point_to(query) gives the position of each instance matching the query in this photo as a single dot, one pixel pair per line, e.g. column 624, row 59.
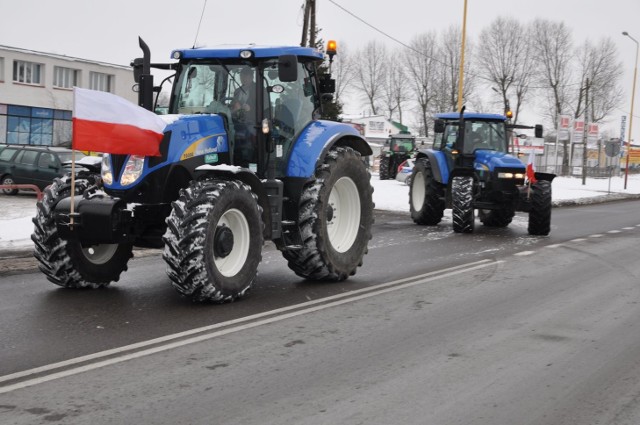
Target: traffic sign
column 612, row 148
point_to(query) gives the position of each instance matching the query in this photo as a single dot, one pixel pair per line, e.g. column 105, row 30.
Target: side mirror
column 136, row 64
column 438, row 126
column 288, row 68
column 327, row 84
column 538, row 131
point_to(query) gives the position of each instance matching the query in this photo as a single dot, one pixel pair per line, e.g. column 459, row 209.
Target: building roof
column 61, row 57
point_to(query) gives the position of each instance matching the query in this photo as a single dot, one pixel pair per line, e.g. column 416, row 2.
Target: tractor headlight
column 505, row 175
column 519, row 175
column 105, row 169
column 132, row 170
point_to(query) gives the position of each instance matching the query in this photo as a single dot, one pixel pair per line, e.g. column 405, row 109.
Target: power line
column 422, row 53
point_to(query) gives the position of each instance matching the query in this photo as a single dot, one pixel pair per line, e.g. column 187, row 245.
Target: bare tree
column 449, row 67
column 504, row 60
column 370, row 72
column 395, row 87
column 598, row 64
column 552, row 49
column 343, row 71
column 422, row 69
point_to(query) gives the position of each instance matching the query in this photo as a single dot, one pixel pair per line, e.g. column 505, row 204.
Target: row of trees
column 535, row 66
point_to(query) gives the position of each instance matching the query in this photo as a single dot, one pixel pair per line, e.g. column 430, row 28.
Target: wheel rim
column 233, row 262
column 100, row 254
column 7, row 181
column 343, row 219
column 418, row 191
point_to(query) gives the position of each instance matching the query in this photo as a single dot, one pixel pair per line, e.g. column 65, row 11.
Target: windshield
column 207, row 87
column 402, row 145
column 484, row 135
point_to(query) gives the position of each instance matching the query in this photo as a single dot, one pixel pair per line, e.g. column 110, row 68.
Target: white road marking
column 628, row 228
column 596, row 236
column 578, row 240
column 278, row 315
column 614, row 231
column 557, row 245
column 524, row 253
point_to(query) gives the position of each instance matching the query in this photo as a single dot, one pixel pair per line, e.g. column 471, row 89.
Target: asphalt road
column 494, row 328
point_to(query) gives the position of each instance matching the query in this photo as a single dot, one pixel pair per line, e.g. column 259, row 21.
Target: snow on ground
column 16, row 226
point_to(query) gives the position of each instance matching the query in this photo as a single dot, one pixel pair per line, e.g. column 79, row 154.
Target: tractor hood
column 195, row 135
column 490, row 160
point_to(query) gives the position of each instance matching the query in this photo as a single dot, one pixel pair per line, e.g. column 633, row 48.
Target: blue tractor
column 470, row 168
column 244, row 158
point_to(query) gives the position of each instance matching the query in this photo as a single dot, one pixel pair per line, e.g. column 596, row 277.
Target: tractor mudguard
column 316, row 140
column 438, row 162
column 544, row 176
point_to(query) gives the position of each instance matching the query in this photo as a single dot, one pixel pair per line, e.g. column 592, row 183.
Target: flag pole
column 73, row 172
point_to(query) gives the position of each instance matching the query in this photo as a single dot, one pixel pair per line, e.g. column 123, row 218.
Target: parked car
column 404, row 171
column 33, row 165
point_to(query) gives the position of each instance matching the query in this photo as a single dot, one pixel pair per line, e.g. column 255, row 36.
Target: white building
column 36, row 96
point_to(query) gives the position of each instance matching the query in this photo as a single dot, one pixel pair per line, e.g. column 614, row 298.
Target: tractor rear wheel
column 426, row 195
column 213, row 242
column 335, row 218
column 462, row 212
column 384, row 168
column 66, row 262
column 540, row 212
column 497, row 218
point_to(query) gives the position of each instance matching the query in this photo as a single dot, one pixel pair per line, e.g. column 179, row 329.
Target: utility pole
column 584, row 134
column 309, row 24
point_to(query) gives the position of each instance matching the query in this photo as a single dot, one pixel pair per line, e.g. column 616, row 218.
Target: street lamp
column 633, row 95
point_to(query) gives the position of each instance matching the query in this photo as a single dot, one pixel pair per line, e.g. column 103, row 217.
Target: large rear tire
column 384, row 168
column 335, row 219
column 213, row 242
column 540, row 212
column 426, row 195
column 66, row 262
column 462, row 211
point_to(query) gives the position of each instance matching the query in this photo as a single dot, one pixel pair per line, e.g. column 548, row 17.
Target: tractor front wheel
column 540, row 212
column 213, row 243
column 66, row 262
column 462, row 211
column 335, row 218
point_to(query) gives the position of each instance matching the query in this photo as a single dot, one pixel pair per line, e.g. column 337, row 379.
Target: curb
column 145, row 252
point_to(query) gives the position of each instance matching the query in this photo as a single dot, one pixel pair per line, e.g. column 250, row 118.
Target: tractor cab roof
column 471, row 116
column 247, row 51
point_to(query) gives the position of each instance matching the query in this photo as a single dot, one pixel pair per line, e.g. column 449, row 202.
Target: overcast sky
column 107, row 31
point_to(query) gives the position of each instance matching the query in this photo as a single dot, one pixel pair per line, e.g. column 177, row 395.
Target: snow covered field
column 17, row 211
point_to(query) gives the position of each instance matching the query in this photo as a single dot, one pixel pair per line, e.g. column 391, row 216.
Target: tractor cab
column 264, row 97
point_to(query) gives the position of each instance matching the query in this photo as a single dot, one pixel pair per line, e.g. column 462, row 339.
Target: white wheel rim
column 343, row 227
column 236, row 222
column 100, row 254
column 418, row 191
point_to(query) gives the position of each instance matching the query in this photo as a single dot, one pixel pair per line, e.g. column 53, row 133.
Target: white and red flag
column 104, row 122
column 531, row 173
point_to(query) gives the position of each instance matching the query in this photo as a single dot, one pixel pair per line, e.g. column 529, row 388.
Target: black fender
column 433, row 161
column 545, row 176
column 357, row 143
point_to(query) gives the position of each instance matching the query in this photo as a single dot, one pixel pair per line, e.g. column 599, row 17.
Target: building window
column 29, row 126
column 27, row 72
column 101, row 82
column 65, row 78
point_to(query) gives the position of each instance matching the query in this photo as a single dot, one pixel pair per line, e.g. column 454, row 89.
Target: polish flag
column 531, row 174
column 104, row 122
